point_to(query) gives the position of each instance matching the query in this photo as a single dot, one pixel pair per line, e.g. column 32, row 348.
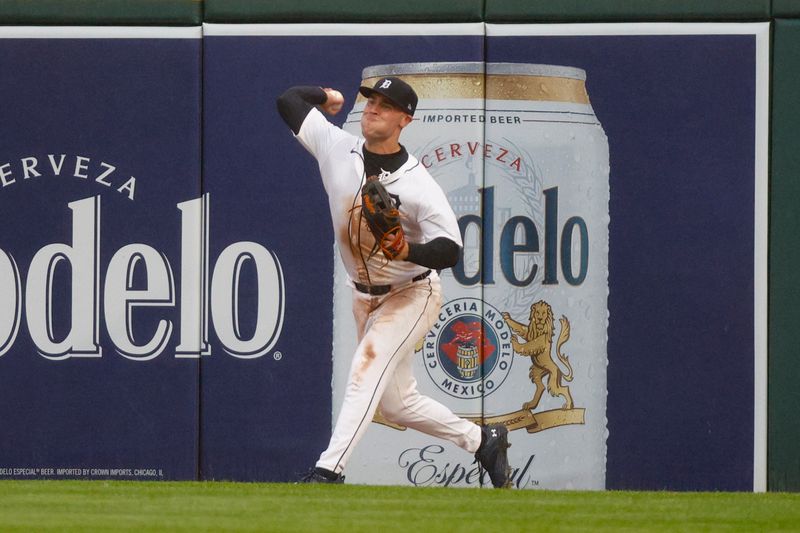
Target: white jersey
column 425, row 213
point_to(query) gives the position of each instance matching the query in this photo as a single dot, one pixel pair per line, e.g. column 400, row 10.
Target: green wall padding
column 253, row 11
column 624, row 10
column 101, row 12
column 783, row 467
column 786, row 8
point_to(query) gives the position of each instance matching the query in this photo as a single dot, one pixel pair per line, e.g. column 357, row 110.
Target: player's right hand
column 334, row 102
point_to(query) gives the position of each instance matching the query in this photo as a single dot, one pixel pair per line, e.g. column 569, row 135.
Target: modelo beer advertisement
column 172, row 315
column 99, row 182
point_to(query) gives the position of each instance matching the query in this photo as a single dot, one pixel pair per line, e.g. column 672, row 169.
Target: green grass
column 216, row 506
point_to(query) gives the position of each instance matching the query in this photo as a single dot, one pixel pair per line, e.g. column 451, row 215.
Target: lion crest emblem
column 536, row 341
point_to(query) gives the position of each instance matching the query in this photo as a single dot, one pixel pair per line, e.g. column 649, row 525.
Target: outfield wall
column 183, row 327
column 784, row 369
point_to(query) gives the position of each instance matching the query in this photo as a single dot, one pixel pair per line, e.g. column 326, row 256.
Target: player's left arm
column 438, row 254
column 439, row 224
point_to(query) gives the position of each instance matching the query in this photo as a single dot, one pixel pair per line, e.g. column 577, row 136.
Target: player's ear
column 406, row 120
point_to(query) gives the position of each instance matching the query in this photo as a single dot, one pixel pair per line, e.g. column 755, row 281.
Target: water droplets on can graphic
column 524, row 162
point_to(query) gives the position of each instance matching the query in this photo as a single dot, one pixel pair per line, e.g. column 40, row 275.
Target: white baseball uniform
column 389, row 325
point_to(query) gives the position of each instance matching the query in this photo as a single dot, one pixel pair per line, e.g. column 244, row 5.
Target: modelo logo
column 468, row 352
column 555, row 247
column 121, row 300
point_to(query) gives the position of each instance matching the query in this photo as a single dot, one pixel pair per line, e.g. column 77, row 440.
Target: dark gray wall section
column 786, row 8
column 784, row 256
column 238, row 11
column 102, row 12
column 519, row 11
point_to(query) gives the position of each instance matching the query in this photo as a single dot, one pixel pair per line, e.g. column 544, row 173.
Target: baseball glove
column 383, row 219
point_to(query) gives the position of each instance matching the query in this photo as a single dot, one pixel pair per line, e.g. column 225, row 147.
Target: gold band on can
column 501, row 81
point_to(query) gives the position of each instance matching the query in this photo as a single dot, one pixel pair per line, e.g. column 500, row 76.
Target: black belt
column 377, row 290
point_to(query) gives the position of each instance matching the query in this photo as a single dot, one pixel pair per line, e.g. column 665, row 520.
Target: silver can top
column 400, row 69
column 532, row 69
column 474, row 67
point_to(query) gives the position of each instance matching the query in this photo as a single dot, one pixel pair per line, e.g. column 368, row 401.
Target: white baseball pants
column 389, row 326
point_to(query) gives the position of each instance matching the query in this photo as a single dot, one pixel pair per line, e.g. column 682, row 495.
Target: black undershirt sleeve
column 295, row 104
column 437, row 254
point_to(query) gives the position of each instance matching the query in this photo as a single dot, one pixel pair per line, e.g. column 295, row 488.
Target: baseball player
column 394, row 228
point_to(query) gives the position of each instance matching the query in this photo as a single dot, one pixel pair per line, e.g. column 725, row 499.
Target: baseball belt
column 377, row 290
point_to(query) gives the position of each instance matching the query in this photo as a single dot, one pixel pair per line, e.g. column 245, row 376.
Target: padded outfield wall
column 194, row 388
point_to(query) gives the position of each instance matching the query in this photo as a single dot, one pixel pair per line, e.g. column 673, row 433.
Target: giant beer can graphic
column 521, row 336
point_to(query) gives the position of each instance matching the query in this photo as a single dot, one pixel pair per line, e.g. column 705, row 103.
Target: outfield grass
column 167, row 506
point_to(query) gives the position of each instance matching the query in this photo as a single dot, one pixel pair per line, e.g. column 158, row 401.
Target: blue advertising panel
column 267, row 413
column 684, row 111
column 171, row 315
column 99, row 165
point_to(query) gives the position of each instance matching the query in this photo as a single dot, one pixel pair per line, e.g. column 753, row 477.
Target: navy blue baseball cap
column 395, row 90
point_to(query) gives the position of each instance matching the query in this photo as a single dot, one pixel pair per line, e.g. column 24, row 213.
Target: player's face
column 382, row 120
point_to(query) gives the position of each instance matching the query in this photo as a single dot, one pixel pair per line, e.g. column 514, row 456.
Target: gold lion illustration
column 537, row 344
